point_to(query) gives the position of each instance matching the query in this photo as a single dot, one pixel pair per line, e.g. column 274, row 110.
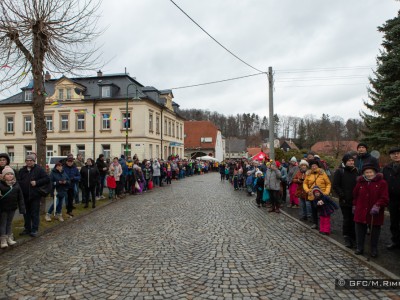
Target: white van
column 51, row 161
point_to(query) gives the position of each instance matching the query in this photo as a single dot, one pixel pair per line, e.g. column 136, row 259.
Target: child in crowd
column 169, row 174
column 259, row 185
column 11, row 198
column 249, row 183
column 111, row 185
column 326, row 208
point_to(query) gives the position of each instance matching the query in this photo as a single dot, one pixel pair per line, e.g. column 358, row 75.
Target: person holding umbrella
column 370, row 197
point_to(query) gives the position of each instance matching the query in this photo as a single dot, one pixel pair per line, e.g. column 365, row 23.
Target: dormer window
column 28, row 96
column 69, row 97
column 106, row 91
column 60, row 94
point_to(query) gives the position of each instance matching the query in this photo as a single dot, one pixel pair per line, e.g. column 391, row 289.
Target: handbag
column 45, row 189
column 265, row 196
column 137, row 186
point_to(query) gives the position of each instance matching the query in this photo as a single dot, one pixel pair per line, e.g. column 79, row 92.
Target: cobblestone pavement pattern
column 197, row 239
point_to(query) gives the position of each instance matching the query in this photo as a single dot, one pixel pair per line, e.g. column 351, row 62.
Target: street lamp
column 126, row 115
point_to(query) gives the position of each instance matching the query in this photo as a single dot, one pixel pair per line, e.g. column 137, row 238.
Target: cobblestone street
column 195, row 239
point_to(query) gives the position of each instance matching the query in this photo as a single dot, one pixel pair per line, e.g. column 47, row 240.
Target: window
column 61, row 94
column 28, row 150
column 158, row 124
column 180, row 133
column 126, row 121
column 105, row 121
column 106, row 151
column 169, row 128
column 28, row 123
column 49, row 150
column 151, row 151
column 106, row 91
column 165, row 127
column 150, row 122
column 81, row 150
column 80, row 122
column 69, row 94
column 10, row 124
column 11, row 153
column 64, row 122
column 126, row 152
column 49, row 123
column 28, row 95
column 157, row 151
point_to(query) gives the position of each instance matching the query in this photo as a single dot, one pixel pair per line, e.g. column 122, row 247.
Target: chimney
column 99, row 73
column 47, row 76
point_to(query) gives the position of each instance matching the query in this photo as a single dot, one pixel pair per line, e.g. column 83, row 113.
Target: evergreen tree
column 382, row 127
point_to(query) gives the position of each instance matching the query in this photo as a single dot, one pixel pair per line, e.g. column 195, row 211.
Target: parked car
column 51, row 161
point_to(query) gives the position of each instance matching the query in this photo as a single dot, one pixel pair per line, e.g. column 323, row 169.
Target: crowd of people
column 75, row 181
column 362, row 187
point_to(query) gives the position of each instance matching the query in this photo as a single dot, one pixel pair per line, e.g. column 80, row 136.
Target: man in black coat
column 364, row 158
column 89, row 177
column 391, row 173
column 102, row 166
column 30, row 178
column 344, row 181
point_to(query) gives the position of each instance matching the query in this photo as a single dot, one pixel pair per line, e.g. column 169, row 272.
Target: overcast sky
column 161, row 47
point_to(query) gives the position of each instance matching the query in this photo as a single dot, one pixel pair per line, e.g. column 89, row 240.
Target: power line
column 333, row 69
column 318, row 85
column 230, row 52
column 320, row 78
column 218, row 81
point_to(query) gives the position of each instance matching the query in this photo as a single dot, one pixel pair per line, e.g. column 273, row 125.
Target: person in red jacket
column 370, row 197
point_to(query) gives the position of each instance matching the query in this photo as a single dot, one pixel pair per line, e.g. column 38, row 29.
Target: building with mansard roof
column 91, row 115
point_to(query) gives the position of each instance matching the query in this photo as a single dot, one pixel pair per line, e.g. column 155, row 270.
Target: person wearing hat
column 316, row 176
column 74, row 177
column 60, row 182
column 364, row 158
column 370, row 197
column 4, row 161
column 30, row 178
column 11, row 198
column 391, row 173
column 102, row 166
column 272, row 183
column 298, row 179
column 293, row 169
column 259, row 186
column 79, row 163
column 344, row 181
column 89, row 177
column 156, row 173
column 325, row 207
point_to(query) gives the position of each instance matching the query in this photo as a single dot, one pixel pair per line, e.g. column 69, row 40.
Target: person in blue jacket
column 74, row 176
column 60, row 182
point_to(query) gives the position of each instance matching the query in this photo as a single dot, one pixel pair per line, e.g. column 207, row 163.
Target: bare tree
column 53, row 35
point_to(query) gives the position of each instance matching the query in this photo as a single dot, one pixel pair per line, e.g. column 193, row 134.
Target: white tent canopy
column 207, row 158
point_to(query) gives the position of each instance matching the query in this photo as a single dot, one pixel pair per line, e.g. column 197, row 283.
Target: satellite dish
column 375, row 153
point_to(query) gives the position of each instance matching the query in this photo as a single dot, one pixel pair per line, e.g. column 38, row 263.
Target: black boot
column 348, row 242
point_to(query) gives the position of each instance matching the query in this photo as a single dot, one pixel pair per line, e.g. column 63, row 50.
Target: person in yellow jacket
column 316, row 176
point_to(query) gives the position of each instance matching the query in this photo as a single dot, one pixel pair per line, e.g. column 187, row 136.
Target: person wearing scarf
column 116, row 171
column 298, row 179
column 344, row 181
column 11, row 198
column 370, row 197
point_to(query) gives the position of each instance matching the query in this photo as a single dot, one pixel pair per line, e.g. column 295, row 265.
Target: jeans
column 76, row 193
column 305, row 208
column 100, row 185
column 156, row 180
column 32, row 215
column 6, row 218
column 60, row 200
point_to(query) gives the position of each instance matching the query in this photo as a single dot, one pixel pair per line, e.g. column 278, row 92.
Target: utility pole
column 271, row 114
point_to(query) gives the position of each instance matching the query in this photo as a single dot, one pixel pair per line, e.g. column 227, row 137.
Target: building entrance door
column 65, row 150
